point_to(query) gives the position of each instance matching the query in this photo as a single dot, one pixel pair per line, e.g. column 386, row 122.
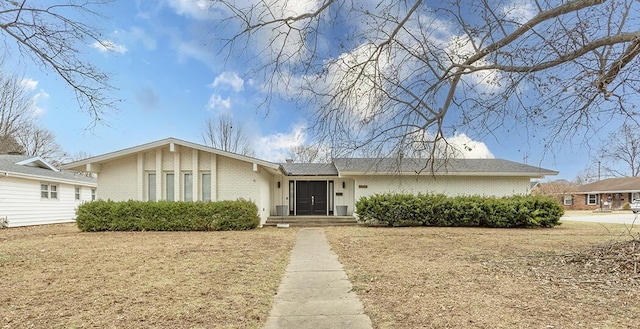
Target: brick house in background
column 561, row 190
column 608, row 194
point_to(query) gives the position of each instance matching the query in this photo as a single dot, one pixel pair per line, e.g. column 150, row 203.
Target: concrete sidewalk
column 315, row 292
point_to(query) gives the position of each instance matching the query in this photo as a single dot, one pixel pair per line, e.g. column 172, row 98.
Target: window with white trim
column 188, row 186
column 93, row 194
column 53, row 193
column 151, row 187
column 76, row 193
column 44, row 191
column 568, row 200
column 592, row 199
column 206, row 186
column 48, row 191
column 170, row 187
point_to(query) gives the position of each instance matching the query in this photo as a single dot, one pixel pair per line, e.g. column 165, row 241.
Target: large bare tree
column 16, row 105
column 38, row 141
column 19, row 128
column 54, row 35
column 225, row 134
column 310, row 154
column 619, row 153
column 402, row 75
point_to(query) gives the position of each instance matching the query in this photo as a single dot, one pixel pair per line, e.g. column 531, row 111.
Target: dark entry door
column 311, row 198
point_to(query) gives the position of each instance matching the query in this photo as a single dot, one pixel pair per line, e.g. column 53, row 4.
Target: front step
column 312, row 221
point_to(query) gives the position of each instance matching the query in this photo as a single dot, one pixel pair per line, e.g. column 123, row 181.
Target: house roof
column 26, row 166
column 81, row 164
column 469, row 167
column 611, row 185
column 309, row 169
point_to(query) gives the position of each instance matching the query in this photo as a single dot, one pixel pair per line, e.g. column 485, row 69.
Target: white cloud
column 198, row 9
column 194, row 50
column 29, row 84
column 276, row 147
column 219, row 104
column 519, row 11
column 468, row 148
column 229, row 78
column 106, row 46
column 136, row 35
column 40, row 96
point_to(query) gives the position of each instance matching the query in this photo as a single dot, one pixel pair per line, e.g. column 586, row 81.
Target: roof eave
column 81, row 164
column 49, row 179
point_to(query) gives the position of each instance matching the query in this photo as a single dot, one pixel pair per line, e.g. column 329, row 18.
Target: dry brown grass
column 57, row 277
column 488, row 278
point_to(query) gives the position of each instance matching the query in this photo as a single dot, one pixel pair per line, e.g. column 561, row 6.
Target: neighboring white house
column 173, row 169
column 33, row 192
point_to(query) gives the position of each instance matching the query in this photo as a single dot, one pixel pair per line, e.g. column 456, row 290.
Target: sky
column 170, row 77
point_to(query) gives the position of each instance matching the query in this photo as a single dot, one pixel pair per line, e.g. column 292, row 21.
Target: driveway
column 622, row 217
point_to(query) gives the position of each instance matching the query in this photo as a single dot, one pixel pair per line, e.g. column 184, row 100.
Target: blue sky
column 170, row 77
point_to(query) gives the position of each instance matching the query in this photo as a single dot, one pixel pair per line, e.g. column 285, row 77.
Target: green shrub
column 626, row 206
column 440, row 210
column 107, row 215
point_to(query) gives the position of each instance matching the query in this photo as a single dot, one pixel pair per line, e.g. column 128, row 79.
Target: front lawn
column 57, row 277
column 493, row 278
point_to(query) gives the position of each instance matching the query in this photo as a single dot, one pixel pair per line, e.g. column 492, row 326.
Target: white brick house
column 173, row 169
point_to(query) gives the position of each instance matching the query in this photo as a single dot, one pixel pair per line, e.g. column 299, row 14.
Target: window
column 151, row 193
column 54, row 191
column 48, row 191
column 44, row 191
column 188, row 187
column 592, row 199
column 568, row 200
column 93, row 194
column 170, row 187
column 76, row 193
column 206, row 187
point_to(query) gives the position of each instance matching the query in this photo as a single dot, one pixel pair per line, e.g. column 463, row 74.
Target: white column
column 159, row 174
column 140, row 177
column 195, row 170
column 214, row 177
column 177, row 196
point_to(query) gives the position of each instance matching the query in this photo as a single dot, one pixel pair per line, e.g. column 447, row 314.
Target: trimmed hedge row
column 440, row 210
column 132, row 215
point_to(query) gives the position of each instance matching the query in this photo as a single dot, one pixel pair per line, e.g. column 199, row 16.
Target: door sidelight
column 313, row 199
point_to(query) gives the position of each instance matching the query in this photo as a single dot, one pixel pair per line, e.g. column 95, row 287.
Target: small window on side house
column 93, row 194
column 53, row 191
column 76, row 193
column 44, row 191
column 568, row 200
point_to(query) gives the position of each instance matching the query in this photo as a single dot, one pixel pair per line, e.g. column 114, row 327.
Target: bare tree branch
column 52, row 36
column 405, row 75
column 226, row 135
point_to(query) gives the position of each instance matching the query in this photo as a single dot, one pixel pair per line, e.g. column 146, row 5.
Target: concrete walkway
column 315, row 292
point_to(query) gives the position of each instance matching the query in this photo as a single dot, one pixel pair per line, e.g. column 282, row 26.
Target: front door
column 311, row 198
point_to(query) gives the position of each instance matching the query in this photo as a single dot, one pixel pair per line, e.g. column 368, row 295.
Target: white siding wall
column 20, row 202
